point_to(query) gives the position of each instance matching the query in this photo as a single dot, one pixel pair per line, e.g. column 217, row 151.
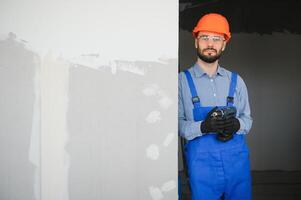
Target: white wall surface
column 89, row 99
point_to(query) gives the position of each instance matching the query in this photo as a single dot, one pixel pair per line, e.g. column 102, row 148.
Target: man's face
column 209, row 46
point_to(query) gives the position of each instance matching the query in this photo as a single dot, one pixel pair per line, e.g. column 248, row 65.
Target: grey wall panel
column 17, row 74
column 127, row 144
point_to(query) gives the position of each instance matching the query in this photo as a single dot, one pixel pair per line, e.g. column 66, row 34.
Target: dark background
column 265, row 51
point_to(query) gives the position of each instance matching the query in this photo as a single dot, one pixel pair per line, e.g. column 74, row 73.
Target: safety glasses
column 213, row 38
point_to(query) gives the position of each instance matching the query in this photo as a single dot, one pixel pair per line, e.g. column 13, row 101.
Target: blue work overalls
column 217, row 168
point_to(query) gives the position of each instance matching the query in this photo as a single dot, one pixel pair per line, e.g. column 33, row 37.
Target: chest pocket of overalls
column 200, row 112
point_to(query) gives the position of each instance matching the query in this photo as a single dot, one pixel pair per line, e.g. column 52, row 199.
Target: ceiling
column 263, row 17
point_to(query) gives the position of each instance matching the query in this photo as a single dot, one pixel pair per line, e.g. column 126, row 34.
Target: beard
column 209, row 58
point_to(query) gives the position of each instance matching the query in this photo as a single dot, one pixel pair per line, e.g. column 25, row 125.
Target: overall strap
column 195, row 98
column 230, row 98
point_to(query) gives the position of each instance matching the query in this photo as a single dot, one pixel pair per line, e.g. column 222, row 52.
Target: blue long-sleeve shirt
column 212, row 91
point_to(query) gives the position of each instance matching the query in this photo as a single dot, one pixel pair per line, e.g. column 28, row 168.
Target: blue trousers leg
column 237, row 175
column 213, row 174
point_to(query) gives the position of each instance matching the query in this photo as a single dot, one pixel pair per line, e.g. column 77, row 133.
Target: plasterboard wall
column 90, row 99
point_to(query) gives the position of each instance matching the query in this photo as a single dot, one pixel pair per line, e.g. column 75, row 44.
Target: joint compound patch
column 155, row 193
column 152, row 152
column 95, row 61
column 153, row 117
column 151, row 90
column 165, row 102
column 168, row 186
column 130, row 67
column 163, row 99
column 169, row 138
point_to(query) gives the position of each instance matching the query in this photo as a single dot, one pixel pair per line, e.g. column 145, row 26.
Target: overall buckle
column 195, row 99
column 230, row 99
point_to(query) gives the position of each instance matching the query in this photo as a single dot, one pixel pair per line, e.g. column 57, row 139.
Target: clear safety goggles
column 213, row 38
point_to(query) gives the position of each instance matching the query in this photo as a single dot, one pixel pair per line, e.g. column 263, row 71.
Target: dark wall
column 265, row 51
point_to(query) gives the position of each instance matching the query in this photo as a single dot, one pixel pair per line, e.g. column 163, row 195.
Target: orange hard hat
column 213, row 22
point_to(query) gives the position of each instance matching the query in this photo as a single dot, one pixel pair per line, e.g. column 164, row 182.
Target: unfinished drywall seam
column 35, row 139
column 96, row 61
column 54, row 105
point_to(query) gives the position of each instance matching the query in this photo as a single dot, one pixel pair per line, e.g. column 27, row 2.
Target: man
column 216, row 154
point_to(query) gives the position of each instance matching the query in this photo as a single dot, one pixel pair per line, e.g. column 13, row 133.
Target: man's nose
column 209, row 43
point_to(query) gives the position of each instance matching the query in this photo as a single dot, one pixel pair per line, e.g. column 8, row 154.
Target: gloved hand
column 212, row 124
column 230, row 127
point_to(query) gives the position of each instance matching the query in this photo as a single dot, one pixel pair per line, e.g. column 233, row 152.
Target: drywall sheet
column 19, row 169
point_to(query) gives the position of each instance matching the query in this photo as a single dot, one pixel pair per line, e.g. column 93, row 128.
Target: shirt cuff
column 195, row 130
column 242, row 129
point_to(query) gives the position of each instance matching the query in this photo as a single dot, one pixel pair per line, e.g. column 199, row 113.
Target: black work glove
column 230, row 127
column 212, row 124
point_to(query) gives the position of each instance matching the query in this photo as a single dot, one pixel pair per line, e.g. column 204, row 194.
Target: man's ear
column 224, row 46
column 195, row 43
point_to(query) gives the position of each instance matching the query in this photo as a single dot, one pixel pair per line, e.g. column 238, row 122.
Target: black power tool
column 224, row 113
